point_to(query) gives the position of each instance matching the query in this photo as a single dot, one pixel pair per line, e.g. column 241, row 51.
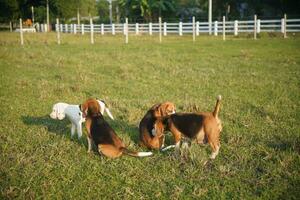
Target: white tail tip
column 109, row 113
column 168, row 147
column 144, row 154
column 219, row 97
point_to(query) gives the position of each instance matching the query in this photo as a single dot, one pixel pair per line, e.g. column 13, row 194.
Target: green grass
column 258, row 80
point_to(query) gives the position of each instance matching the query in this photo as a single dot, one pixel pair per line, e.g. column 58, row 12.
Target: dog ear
column 84, row 109
column 157, row 110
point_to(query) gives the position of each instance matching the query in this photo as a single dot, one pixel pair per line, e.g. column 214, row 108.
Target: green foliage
column 8, row 10
column 260, row 143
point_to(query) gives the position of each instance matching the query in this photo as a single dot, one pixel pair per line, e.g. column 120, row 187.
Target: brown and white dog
column 204, row 127
column 148, row 137
column 100, row 132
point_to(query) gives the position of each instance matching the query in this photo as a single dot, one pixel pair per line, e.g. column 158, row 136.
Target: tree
column 9, row 10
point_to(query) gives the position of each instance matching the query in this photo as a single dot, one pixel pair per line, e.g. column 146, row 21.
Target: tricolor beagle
column 148, row 137
column 104, row 137
column 203, row 127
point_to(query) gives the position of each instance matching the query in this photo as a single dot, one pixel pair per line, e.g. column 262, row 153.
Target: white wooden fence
column 231, row 27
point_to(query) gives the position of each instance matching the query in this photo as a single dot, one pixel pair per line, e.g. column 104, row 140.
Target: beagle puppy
column 204, row 127
column 147, row 134
column 73, row 113
column 104, row 137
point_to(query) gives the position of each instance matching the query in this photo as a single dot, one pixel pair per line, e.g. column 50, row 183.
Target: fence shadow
column 58, row 127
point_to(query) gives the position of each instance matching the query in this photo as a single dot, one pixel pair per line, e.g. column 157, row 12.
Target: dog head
column 58, row 111
column 90, row 108
column 164, row 109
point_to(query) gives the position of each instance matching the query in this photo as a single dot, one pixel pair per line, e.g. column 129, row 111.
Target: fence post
column 255, row 26
column 82, row 29
column 113, row 32
column 57, row 30
column 216, row 28
column 136, row 28
column 102, row 29
column 21, row 32
column 75, row 28
column 159, row 23
column 92, row 31
column 236, row 27
column 282, row 25
column 284, row 30
column 46, row 28
column 38, row 27
column 150, row 28
column 61, row 28
column 180, row 28
column 66, row 28
column 224, row 28
column 194, row 34
column 197, row 28
column 10, row 26
column 258, row 26
column 126, row 32
column 165, row 28
column 124, row 28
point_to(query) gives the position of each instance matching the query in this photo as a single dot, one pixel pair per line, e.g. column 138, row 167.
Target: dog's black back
column 101, row 131
column 147, row 123
column 187, row 123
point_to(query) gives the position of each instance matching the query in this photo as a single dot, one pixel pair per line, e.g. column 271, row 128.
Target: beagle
column 73, row 113
column 147, row 135
column 203, row 127
column 104, row 137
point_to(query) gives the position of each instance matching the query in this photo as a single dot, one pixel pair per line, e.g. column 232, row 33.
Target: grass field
column 258, row 80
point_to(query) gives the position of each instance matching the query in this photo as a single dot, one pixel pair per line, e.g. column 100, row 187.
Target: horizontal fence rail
column 231, row 27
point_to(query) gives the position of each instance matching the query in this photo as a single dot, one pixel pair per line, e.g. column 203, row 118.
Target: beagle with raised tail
column 73, row 113
column 147, row 135
column 104, row 137
column 204, row 127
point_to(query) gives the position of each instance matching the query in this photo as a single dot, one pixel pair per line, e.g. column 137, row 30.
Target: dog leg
column 163, row 142
column 216, row 148
column 73, row 127
column 79, row 130
column 177, row 148
column 90, row 141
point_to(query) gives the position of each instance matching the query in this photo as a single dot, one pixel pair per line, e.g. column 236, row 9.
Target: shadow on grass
column 285, row 144
column 121, row 126
column 58, row 127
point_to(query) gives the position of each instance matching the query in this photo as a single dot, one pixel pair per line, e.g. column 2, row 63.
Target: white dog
column 61, row 110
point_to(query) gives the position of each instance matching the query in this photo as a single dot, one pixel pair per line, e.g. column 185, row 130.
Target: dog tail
column 108, row 112
column 135, row 154
column 217, row 108
column 167, row 147
column 106, row 109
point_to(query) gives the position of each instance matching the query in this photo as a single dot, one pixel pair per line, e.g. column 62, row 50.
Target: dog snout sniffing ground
column 147, row 136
